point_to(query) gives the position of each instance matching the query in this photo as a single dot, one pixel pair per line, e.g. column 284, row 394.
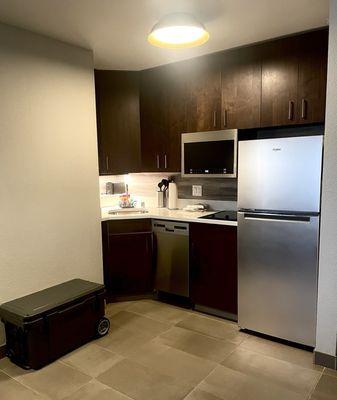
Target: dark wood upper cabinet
column 152, row 120
column 312, row 74
column 241, row 88
column 141, row 115
column 294, row 79
column 204, row 98
column 279, row 82
column 176, row 94
column 163, row 102
column 117, row 102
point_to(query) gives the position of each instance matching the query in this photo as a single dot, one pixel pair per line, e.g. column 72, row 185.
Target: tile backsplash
column 217, row 193
column 224, row 189
column 142, row 187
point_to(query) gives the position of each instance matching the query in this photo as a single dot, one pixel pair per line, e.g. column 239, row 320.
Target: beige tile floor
column 155, row 351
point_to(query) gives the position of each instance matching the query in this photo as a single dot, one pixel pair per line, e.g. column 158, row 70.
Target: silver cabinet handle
column 290, row 110
column 158, row 161
column 165, row 161
column 214, row 119
column 107, row 163
column 304, row 109
column 225, row 118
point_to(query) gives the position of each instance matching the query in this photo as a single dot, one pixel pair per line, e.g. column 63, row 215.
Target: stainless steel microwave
column 209, row 154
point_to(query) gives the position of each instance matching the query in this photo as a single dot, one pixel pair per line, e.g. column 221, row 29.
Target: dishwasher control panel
column 178, row 228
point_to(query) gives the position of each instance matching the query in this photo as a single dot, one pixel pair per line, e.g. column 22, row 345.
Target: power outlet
column 197, row 190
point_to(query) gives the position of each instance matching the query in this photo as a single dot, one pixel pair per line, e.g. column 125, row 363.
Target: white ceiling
column 116, row 30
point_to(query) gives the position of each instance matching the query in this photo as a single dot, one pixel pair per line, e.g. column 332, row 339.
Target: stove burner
column 222, row 215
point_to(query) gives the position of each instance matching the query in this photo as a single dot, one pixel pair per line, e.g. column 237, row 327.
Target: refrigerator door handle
column 277, row 217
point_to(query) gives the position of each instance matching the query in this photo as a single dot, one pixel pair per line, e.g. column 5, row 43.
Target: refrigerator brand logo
column 277, row 149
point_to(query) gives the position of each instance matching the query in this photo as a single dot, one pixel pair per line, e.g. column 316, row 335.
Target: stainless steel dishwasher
column 172, row 253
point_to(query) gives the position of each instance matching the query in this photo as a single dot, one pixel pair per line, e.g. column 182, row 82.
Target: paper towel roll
column 173, row 196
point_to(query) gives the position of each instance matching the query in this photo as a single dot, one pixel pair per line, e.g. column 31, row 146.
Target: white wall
column 327, row 284
column 49, row 195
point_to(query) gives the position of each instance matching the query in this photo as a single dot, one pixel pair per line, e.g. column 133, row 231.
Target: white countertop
column 166, row 214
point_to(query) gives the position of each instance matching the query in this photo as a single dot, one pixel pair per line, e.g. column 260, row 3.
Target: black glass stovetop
column 222, row 215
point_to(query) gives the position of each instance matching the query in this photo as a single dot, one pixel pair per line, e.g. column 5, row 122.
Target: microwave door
column 209, row 154
column 280, row 174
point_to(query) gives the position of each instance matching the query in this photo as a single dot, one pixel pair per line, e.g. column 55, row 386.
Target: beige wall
column 49, row 195
column 327, row 282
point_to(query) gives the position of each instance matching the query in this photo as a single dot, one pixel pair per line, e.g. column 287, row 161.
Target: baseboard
column 114, row 299
column 2, row 351
column 326, row 360
column 216, row 312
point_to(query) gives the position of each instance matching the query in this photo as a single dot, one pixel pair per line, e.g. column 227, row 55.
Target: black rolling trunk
column 47, row 324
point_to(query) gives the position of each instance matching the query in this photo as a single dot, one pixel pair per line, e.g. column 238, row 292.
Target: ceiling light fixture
column 179, row 30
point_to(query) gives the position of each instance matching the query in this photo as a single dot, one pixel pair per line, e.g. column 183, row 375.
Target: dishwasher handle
column 170, row 227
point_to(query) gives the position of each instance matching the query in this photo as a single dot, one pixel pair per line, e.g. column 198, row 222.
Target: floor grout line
column 203, row 380
column 117, row 390
column 170, row 326
column 208, row 336
column 227, row 340
column 314, row 388
column 277, row 358
column 189, row 311
column 154, row 319
column 144, row 316
column 24, row 385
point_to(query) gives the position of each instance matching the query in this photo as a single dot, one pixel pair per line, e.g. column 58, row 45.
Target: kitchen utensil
column 160, row 199
column 165, row 183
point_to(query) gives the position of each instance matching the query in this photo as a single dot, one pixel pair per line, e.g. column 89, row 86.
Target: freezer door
column 280, row 174
column 277, row 263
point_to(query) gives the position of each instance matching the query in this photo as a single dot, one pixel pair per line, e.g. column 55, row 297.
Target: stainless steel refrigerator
column 278, row 233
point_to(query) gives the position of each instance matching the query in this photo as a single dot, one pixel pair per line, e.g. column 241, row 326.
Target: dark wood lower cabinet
column 127, row 258
column 129, row 267
column 213, row 267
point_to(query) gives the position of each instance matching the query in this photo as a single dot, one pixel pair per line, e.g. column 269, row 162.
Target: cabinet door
column 213, row 267
column 129, row 269
column 204, row 101
column 176, row 92
column 279, row 82
column 102, row 142
column 118, row 126
column 241, row 88
column 152, row 117
column 312, row 50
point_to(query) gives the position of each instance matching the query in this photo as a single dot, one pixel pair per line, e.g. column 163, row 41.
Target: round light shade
column 180, row 30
